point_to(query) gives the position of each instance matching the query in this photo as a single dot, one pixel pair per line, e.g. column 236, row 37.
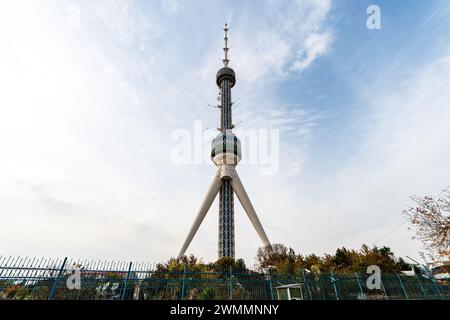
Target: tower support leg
column 206, row 204
column 242, row 195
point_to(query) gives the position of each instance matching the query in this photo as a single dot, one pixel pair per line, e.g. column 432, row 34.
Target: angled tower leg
column 207, row 202
column 238, row 188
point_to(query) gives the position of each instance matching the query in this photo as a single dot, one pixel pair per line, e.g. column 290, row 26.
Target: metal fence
column 47, row 279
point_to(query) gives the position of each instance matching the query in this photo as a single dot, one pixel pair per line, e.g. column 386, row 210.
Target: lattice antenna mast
column 225, row 49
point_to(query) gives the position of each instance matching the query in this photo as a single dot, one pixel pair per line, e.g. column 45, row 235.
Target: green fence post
column 56, row 281
column 231, row 283
column 324, row 296
column 306, row 284
column 184, row 282
column 271, row 287
column 124, row 289
column 403, row 287
column 436, row 285
column 333, row 281
column 363, row 295
column 421, row 286
column 384, row 289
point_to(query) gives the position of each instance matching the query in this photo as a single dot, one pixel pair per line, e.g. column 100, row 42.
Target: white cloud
column 125, row 21
column 270, row 45
column 172, row 6
column 314, row 46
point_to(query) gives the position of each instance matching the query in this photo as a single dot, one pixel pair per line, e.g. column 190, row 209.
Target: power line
column 407, row 219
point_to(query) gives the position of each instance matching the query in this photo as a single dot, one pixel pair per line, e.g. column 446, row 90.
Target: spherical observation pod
column 226, row 149
column 226, row 74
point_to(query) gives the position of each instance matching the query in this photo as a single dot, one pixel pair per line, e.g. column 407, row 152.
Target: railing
column 47, row 279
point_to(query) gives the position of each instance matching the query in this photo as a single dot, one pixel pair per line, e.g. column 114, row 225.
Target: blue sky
column 89, row 106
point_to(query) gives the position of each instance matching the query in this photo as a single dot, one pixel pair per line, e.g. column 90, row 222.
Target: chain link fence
column 56, row 279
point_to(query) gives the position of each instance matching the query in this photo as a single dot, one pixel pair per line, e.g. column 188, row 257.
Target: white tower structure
column 226, row 153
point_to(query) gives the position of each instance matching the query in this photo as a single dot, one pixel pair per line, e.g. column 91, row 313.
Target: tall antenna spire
column 225, row 49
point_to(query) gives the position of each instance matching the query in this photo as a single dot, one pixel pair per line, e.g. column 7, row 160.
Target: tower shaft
column 225, row 105
column 226, row 220
column 226, row 197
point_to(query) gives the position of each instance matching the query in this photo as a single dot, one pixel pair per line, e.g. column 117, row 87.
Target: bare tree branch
column 430, row 219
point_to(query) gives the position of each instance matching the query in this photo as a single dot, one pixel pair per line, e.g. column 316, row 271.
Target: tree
column 430, row 219
column 223, row 264
column 313, row 263
column 239, row 265
column 278, row 257
column 284, row 260
column 382, row 257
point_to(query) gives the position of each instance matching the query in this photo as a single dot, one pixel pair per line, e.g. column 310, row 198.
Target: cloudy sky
column 92, row 92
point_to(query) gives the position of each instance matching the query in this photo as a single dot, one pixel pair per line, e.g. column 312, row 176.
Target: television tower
column 225, row 153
